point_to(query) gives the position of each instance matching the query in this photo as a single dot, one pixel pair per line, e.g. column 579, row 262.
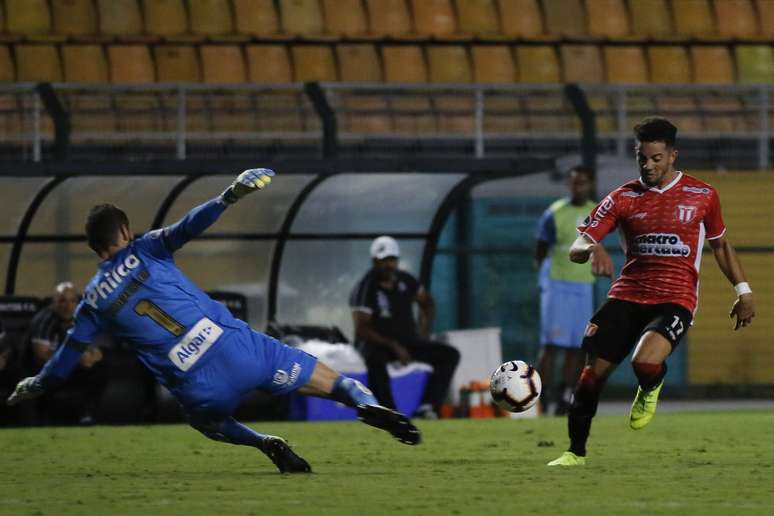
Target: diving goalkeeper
column 190, row 343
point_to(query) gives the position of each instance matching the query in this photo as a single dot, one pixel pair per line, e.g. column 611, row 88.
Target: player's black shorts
column 617, row 326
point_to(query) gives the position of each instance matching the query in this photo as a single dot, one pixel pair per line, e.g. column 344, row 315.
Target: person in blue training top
column 191, row 343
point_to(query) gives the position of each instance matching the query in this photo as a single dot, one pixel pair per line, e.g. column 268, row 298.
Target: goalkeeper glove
column 247, row 182
column 27, row 389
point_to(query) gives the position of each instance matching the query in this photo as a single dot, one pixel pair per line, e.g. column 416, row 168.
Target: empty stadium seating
column 120, row 17
column 74, row 17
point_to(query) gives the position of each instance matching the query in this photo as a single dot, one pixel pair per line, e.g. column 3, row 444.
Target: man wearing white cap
column 382, row 306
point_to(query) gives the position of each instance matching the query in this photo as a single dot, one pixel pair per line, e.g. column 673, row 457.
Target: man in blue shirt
column 191, row 343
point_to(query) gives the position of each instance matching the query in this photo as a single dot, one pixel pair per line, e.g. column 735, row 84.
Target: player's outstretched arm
column 744, row 306
column 203, row 216
column 53, row 373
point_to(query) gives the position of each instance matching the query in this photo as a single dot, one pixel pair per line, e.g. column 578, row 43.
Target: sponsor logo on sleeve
column 694, row 189
column 194, row 344
column 660, row 244
column 281, row 377
column 591, row 329
column 604, row 208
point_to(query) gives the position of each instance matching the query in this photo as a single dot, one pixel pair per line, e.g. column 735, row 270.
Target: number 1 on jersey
column 159, row 316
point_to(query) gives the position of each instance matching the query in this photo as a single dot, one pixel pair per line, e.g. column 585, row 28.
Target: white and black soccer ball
column 515, row 386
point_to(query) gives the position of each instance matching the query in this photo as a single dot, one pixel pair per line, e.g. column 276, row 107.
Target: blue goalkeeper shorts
column 245, row 361
column 565, row 309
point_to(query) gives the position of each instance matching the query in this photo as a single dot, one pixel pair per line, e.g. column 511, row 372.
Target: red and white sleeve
column 603, row 219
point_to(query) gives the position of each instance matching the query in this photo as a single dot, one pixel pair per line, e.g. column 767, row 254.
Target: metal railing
column 175, row 116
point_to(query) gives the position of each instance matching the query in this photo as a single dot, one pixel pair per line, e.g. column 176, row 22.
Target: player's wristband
column 742, row 288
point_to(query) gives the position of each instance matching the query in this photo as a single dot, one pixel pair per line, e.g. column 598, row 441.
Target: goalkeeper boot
column 286, row 460
column 568, row 458
column 644, row 407
column 393, row 422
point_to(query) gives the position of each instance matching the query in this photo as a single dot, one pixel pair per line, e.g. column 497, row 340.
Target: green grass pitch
column 705, row 463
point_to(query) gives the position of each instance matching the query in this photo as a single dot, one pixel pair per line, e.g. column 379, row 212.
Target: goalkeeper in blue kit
column 193, row 345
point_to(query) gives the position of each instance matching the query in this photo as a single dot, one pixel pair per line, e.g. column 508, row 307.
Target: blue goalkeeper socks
column 352, row 393
column 230, row 431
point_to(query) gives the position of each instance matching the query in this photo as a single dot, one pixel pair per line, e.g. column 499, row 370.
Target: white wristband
column 742, row 288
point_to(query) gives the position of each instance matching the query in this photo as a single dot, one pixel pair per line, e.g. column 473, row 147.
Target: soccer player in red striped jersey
column 663, row 217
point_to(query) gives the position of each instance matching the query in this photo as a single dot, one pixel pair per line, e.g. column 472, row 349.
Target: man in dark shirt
column 47, row 331
column 382, row 305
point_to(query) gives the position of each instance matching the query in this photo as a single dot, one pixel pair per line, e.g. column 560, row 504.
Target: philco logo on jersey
column 685, row 214
column 660, row 244
column 194, row 344
column 111, row 280
column 281, row 377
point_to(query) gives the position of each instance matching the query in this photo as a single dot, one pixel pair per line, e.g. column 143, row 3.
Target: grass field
column 700, row 463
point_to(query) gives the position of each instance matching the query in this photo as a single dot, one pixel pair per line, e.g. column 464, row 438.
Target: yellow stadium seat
column 268, row 63
column 27, row 16
column 625, row 65
column 693, row 18
column 256, row 17
column 92, row 113
column 755, row 64
column 177, row 63
column 766, row 17
column 581, row 63
column 313, row 63
column 404, row 64
column 538, row 64
column 358, row 63
column 477, row 17
column 607, row 18
column 449, row 64
column 388, row 18
column 651, row 18
column 37, row 63
column 682, row 111
column 520, row 18
column 130, row 64
column 434, row 17
column 74, row 17
column 565, row 17
column 211, row 17
column 165, row 17
column 493, row 64
column 301, row 17
column 736, row 19
column 222, row 64
column 120, row 17
column 363, row 112
column 7, row 73
column 345, row 17
column 721, row 113
column 271, row 64
column 84, row 63
column 712, row 65
column 669, row 65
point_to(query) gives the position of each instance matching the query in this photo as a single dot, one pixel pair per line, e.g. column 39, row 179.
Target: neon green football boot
column 644, row 407
column 568, row 458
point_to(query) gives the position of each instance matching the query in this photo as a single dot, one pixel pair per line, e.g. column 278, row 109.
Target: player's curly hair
column 103, row 225
column 656, row 129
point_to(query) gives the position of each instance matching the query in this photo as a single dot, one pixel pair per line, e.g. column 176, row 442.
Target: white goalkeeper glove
column 247, row 182
column 27, row 389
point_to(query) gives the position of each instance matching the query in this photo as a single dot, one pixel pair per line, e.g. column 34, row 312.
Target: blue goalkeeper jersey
column 139, row 295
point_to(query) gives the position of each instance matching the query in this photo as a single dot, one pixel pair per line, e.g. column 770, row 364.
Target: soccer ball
column 515, row 386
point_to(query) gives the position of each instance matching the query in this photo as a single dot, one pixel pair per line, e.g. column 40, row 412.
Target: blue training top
column 140, row 295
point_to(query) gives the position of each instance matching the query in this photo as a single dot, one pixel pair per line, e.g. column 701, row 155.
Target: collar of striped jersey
column 676, row 180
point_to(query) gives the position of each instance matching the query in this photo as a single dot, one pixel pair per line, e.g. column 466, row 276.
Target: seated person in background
column 382, row 305
column 7, row 374
column 47, row 331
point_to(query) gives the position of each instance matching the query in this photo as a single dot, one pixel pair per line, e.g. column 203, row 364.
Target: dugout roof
column 294, row 250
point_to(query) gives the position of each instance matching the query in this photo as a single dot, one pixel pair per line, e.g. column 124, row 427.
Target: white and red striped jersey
column 662, row 233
